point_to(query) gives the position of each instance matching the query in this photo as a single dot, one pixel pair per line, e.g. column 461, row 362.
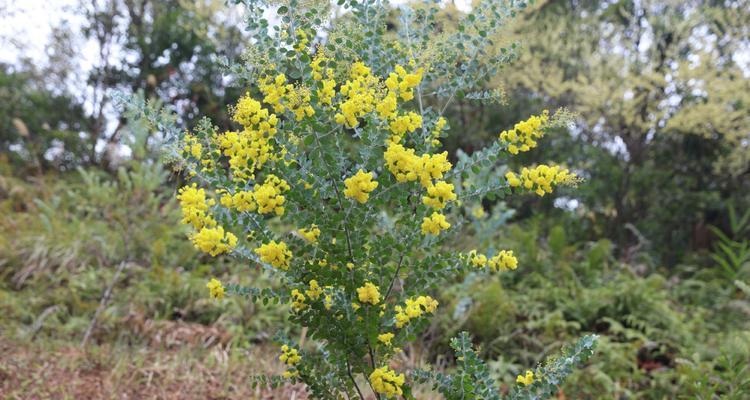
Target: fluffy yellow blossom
column 315, row 290
column 360, row 93
column 298, row 102
column 527, row 379
column 438, row 195
column 274, row 90
column 249, row 149
column 328, row 302
column 386, row 381
column 275, row 254
column 541, row 179
column 214, row 241
column 477, row 260
column 195, row 207
column 503, row 261
column 302, row 40
column 402, row 162
column 403, row 124
column 327, row 91
column 241, row 201
column 215, row 289
column 192, row 146
column 289, row 356
column 386, row 338
column 405, row 165
column 403, row 82
column 432, row 167
column 317, row 69
column 360, row 186
column 269, row 196
column 369, row 293
column 414, row 308
column 524, row 134
column 437, row 130
column 435, row 223
column 310, row 234
column 298, row 300
column 386, row 108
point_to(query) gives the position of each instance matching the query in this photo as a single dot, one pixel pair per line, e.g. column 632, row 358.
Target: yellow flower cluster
column 215, row 289
column 214, row 241
column 269, row 195
column 310, row 234
column 403, row 82
column 284, row 96
column 360, row 186
column 438, row 195
column 195, row 207
column 249, row 149
column 290, row 356
column 405, row 165
column 527, row 379
column 275, row 254
column 386, row 381
column 298, row 300
column 524, row 134
column 315, row 290
column 434, row 224
column 241, row 200
column 403, row 124
column 369, row 293
column 386, row 338
column 437, row 130
column 502, row 261
column 361, row 96
column 192, row 146
column 302, row 40
column 414, row 308
column 542, row 178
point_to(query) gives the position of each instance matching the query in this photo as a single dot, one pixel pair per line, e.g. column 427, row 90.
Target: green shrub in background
column 678, row 337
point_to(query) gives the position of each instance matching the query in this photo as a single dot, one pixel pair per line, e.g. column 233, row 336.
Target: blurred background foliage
column 652, row 251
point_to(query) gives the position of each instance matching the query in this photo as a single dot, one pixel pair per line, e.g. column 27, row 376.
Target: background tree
column 662, row 93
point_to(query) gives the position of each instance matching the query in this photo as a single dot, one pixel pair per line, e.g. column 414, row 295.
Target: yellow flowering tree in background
column 334, row 179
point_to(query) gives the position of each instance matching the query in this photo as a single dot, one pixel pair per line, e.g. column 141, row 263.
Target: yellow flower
column 387, row 382
column 369, row 293
column 311, row 234
column 360, row 96
column 414, row 307
column 541, row 179
column 503, row 261
column 215, row 289
column 434, row 224
column 523, row 136
column 386, row 338
column 298, row 300
column 360, row 186
column 315, row 290
column 214, row 241
column 526, row 380
column 403, row 124
column 512, row 179
column 289, row 356
column 269, row 196
column 275, row 254
column 438, row 195
column 478, row 260
column 195, row 207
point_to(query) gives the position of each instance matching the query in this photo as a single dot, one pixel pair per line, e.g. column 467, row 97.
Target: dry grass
column 59, row 371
